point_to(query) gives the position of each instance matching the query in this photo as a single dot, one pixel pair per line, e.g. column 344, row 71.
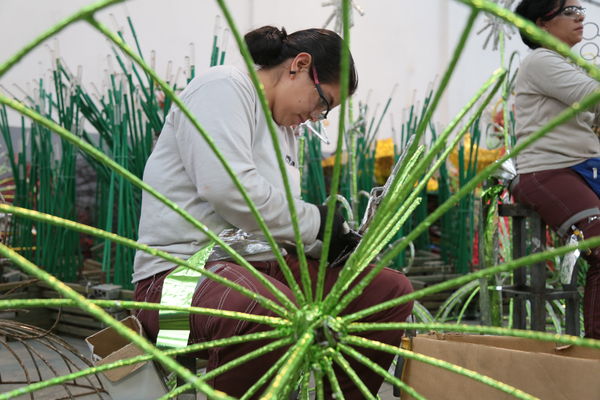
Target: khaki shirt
column 546, row 85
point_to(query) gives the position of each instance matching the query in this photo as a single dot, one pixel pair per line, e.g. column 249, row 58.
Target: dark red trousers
column 389, row 284
column 557, row 195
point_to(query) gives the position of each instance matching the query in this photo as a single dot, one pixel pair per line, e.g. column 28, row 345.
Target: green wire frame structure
column 300, row 323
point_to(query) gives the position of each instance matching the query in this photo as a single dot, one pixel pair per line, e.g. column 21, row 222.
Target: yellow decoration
column 329, row 161
column 484, row 158
column 384, row 160
column 432, row 185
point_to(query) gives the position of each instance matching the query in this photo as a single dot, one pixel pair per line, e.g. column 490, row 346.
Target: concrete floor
column 10, row 370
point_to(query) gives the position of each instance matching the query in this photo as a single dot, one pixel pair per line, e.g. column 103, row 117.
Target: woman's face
column 567, row 26
column 296, row 96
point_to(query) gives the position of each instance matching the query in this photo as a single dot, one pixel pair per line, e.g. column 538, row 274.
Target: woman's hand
column 341, row 236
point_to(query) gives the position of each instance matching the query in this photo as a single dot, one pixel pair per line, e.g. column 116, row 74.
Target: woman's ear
column 301, row 62
column 540, row 23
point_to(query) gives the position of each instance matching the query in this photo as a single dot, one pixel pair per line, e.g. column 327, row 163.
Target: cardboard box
column 542, row 369
column 141, row 381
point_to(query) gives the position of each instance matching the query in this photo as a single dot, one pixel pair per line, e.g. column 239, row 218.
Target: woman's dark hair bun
column 533, row 10
column 269, row 47
column 266, row 45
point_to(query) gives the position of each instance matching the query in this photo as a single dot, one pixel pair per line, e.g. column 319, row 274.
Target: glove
column 341, row 237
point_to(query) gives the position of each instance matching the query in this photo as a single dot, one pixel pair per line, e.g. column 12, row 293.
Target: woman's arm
column 551, row 75
column 226, row 109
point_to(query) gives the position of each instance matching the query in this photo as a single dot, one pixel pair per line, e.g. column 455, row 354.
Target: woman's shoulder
column 541, row 63
column 542, row 56
column 225, row 73
column 221, row 76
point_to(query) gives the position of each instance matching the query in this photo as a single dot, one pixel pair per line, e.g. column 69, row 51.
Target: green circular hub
column 327, row 329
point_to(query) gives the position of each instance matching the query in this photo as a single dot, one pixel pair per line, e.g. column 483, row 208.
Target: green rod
column 98, row 155
column 371, row 344
column 319, row 387
column 304, row 275
column 80, row 15
column 144, row 357
column 476, row 329
column 103, row 316
column 265, row 378
column 509, row 266
column 406, row 207
column 177, row 101
column 336, row 390
column 347, row 368
column 446, row 78
column 139, row 305
column 290, row 366
column 232, row 364
column 37, row 216
column 337, row 166
column 377, row 369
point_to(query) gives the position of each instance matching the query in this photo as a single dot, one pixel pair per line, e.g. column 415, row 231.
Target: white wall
column 396, row 42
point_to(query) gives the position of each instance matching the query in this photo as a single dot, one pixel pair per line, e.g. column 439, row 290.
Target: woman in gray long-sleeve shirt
column 300, row 74
column 558, row 174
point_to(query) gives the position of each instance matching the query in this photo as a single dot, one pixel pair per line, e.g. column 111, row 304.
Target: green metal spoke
column 371, row 344
column 305, row 382
column 319, row 386
column 231, row 365
column 169, row 92
column 405, row 208
column 145, row 357
column 139, row 305
column 50, row 219
column 249, row 356
column 267, row 375
column 347, row 368
column 337, row 166
column 305, row 277
column 336, row 390
column 377, row 369
column 80, row 15
column 291, row 365
column 509, row 266
column 103, row 316
column 475, row 329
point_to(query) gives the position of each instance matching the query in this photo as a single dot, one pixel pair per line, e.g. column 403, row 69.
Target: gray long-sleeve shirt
column 546, row 85
column 184, row 169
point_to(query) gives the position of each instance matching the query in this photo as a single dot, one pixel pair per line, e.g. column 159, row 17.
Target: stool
column 536, row 292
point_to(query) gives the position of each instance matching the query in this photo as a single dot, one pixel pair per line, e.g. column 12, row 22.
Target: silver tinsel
column 496, row 25
column 336, row 14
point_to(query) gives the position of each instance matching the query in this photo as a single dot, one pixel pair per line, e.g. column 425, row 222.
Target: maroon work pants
column 557, row 195
column 389, row 284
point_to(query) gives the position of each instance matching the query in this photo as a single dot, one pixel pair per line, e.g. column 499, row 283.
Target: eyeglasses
column 572, row 12
column 323, row 103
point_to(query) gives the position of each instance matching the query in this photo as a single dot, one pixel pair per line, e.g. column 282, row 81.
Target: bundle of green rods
column 126, row 120
column 44, row 176
column 358, row 169
column 357, row 179
column 458, row 225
